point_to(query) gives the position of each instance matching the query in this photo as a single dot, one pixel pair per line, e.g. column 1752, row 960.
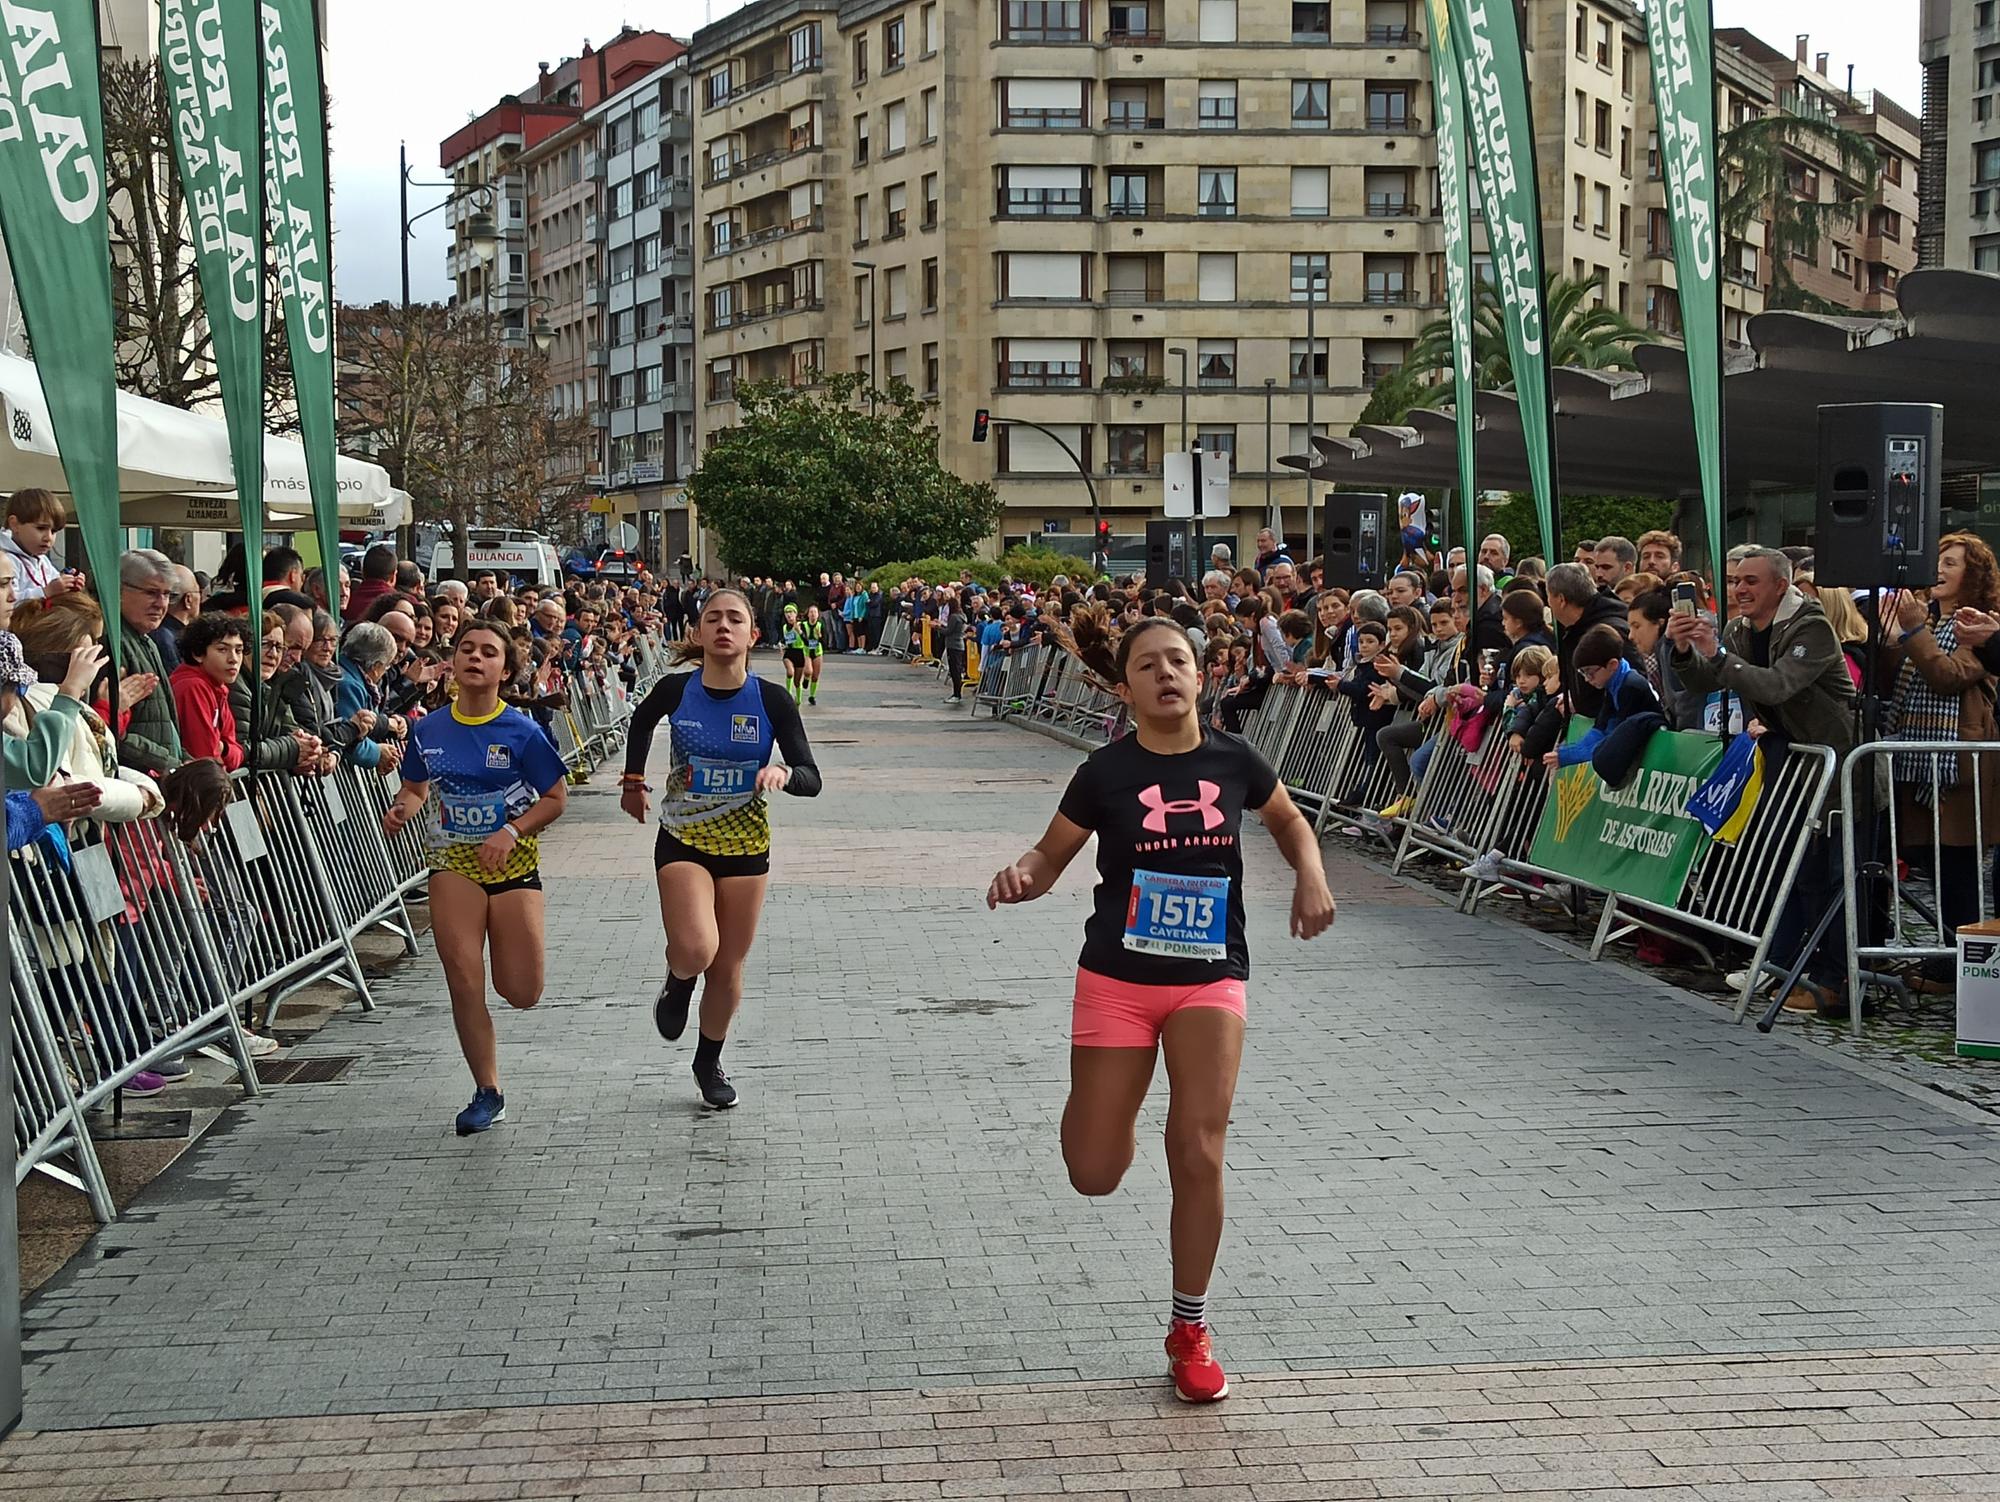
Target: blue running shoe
column 488, row 1109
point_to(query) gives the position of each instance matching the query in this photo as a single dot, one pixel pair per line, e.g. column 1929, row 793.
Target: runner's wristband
column 514, row 830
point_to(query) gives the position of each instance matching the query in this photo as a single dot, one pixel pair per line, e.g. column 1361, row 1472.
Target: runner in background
column 713, row 854
column 814, row 633
column 1164, row 957
column 499, row 783
column 792, row 638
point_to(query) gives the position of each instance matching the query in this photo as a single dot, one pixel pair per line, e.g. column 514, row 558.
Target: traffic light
column 1104, row 537
column 980, row 421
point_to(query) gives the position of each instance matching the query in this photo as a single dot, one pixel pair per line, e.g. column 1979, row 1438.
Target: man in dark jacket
column 1577, row 604
column 152, row 741
column 1489, row 634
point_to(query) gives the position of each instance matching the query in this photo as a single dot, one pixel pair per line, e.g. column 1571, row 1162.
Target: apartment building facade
column 1960, row 130
column 1053, row 210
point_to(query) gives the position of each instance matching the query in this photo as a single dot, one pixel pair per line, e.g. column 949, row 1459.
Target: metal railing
column 127, row 947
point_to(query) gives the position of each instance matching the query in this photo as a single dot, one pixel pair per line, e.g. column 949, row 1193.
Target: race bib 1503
column 1186, row 917
column 468, row 818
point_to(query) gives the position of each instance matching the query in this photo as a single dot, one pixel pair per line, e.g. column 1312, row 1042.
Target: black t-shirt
column 1169, row 902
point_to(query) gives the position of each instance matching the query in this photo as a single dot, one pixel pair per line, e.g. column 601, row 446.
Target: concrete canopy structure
column 1623, row 433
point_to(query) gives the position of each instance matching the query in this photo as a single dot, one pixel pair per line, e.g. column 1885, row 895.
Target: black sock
column 707, row 1054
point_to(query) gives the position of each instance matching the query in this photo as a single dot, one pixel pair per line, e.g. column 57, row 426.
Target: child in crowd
column 34, row 517
column 211, row 662
column 1532, row 697
column 1360, row 681
column 1627, row 719
column 1295, row 628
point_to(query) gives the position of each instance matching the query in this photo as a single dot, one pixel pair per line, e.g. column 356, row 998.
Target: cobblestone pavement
column 1455, row 1143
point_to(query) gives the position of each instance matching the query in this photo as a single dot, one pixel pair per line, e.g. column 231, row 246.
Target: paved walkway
column 1454, row 1146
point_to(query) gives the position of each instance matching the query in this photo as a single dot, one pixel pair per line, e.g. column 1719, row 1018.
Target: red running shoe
column 1198, row 1376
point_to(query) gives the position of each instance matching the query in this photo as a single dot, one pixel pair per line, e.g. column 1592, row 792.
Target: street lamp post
column 1314, row 280
column 874, row 304
column 1270, row 457
column 1181, row 354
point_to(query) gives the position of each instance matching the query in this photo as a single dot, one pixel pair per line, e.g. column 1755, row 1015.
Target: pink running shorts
column 1122, row 1014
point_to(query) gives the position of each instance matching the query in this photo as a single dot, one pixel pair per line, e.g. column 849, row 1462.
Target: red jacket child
column 207, row 726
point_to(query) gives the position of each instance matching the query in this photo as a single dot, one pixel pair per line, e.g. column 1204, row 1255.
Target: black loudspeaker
column 1358, row 533
column 1880, row 477
column 1169, row 551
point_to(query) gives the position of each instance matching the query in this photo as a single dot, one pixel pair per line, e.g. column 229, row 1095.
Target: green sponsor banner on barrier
column 1455, row 193
column 1636, row 840
column 295, row 199
column 1487, row 44
column 52, row 215
column 1683, row 61
column 208, row 53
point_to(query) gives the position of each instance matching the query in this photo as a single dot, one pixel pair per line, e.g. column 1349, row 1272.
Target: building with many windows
column 1102, row 216
column 1960, row 214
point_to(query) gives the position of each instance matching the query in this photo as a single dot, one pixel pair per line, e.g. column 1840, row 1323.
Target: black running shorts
column 668, row 851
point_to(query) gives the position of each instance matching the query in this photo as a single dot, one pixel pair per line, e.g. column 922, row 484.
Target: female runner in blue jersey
column 499, row 784
column 713, row 854
column 1164, row 954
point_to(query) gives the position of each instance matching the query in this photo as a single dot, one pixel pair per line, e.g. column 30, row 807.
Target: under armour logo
column 1156, row 821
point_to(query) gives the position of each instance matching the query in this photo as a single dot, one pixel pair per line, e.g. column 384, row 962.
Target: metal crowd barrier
column 129, row 947
column 895, row 637
column 1889, row 918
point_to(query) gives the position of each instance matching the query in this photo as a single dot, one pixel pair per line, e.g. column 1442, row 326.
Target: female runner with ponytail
column 1164, row 955
column 713, row 855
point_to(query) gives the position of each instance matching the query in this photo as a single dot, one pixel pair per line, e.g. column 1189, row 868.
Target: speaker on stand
column 1359, row 529
column 1169, row 551
column 1880, row 484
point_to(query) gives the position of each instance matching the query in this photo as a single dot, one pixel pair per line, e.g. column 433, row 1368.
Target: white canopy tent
column 173, row 466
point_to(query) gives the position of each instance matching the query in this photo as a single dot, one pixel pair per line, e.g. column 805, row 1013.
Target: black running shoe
column 670, row 1011
column 716, row 1091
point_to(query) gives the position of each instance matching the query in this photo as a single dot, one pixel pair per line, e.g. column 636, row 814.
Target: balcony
column 1373, row 371
column 1389, row 206
column 1389, row 36
column 593, row 352
column 600, row 417
column 1389, row 295
column 594, row 229
column 1133, row 383
column 1042, row 203
column 1132, row 209
column 1042, row 119
column 1391, row 120
column 1130, row 36
column 737, row 166
column 1134, row 297
column 772, row 310
column 1044, row 34
column 1129, row 121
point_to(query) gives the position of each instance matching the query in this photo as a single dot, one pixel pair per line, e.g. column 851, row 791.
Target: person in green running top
column 792, row 637
column 814, row 630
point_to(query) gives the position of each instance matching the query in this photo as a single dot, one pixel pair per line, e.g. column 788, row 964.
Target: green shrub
column 1036, row 566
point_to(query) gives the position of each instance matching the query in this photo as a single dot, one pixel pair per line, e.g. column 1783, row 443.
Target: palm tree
column 1757, row 158
column 1586, row 335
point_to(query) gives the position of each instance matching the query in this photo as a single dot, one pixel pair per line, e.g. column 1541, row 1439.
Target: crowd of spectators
column 186, row 709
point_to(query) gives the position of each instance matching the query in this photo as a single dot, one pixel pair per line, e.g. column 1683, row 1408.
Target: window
column 1132, row 21
column 1308, row 371
column 1309, row 98
column 892, row 45
column 1982, row 14
column 930, row 29
column 1217, row 104
column 1132, row 279
column 1582, row 118
column 860, row 140
column 1652, row 156
column 931, row 370
column 1389, row 106
column 652, row 384
column 1216, row 187
column 930, row 285
column 930, row 115
column 1043, row 103
column 1027, row 364
column 621, row 264
column 1215, row 363
column 1624, row 226
column 1215, row 439
column 721, row 230
column 1128, row 359
column 1043, row 21
column 1215, row 276
column 1582, row 29
column 1309, row 192
column 860, row 218
column 1128, row 197
column 1577, row 189
column 1600, row 128
column 1625, row 72
column 1658, row 233
column 1602, row 57
column 895, row 128
column 1989, row 73
column 1312, row 20
column 1892, row 167
column 1310, row 281
column 1044, row 192
column 1128, row 451
column 1986, row 162
column 623, row 387
column 647, row 187
column 1625, row 150
column 895, row 203
column 930, row 200
column 715, row 92
column 622, row 326
column 721, row 380
column 896, row 292
column 1218, row 20
column 1986, row 253
column 1600, row 209
column 649, row 254
column 1388, row 192
column 1387, row 278
column 1381, row 358
column 861, row 59
column 804, row 44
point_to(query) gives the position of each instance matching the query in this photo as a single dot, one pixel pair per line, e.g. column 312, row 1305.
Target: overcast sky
column 416, row 70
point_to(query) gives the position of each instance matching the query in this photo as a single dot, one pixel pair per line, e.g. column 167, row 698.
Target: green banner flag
column 1454, row 192
column 53, row 219
column 1487, row 44
column 208, row 53
column 1683, row 50
column 1638, row 840
column 296, row 199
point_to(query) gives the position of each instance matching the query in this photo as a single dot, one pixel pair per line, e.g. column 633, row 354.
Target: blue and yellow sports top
column 721, row 738
column 482, row 773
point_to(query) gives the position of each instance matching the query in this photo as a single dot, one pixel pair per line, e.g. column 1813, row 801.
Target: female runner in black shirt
column 1164, row 954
